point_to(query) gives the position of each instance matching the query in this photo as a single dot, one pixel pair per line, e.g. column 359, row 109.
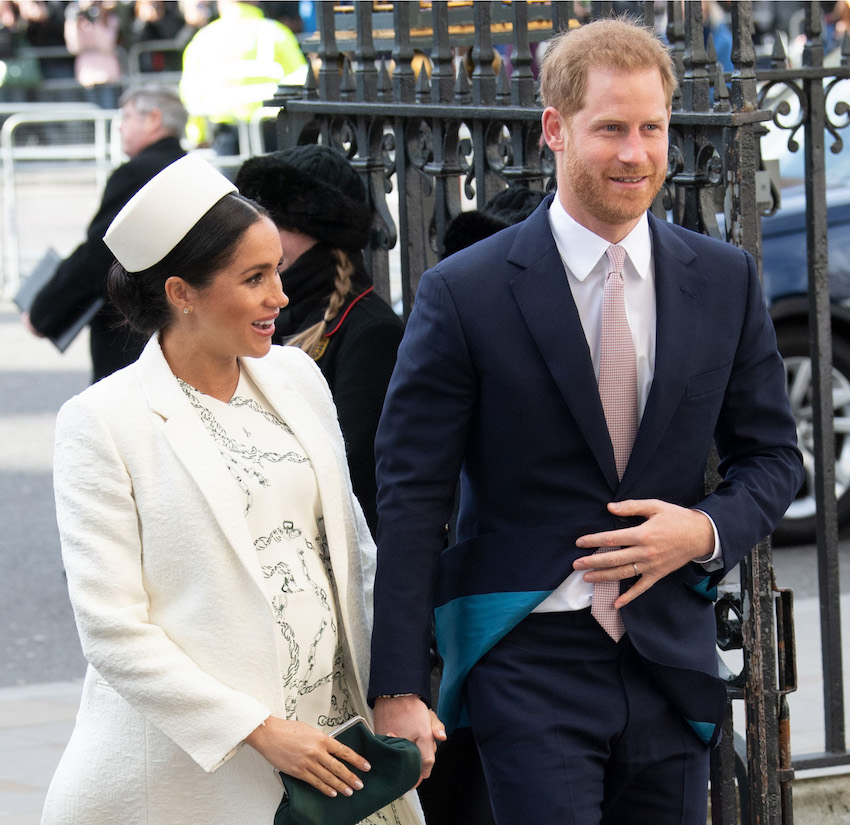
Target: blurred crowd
column 88, row 46
column 103, row 31
column 121, row 23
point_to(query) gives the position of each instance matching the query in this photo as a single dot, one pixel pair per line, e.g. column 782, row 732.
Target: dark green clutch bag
column 395, row 762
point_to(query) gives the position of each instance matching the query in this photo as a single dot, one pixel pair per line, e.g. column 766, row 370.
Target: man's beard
column 592, row 192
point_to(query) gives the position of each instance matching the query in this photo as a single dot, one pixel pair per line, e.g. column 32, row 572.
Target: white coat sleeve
column 102, row 550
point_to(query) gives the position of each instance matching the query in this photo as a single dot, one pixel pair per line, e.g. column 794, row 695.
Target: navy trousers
column 572, row 730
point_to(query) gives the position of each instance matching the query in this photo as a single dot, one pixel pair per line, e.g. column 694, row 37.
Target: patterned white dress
column 275, row 479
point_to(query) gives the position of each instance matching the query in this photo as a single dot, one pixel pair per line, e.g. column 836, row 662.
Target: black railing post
column 820, row 332
column 443, row 168
column 368, row 160
column 808, row 89
column 714, row 152
column 412, row 247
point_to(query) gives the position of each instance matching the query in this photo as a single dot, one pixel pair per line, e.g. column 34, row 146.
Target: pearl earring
column 186, row 310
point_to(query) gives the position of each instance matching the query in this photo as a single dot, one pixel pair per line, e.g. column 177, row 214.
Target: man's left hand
column 670, row 537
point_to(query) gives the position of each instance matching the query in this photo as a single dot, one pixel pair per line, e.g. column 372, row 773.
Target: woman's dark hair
column 208, row 247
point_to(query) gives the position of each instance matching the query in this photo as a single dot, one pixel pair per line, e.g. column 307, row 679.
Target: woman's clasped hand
column 307, row 754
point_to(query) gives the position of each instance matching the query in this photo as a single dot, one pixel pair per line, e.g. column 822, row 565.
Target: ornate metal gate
column 446, row 132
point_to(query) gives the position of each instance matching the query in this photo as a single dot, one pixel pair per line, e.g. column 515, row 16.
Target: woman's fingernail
column 367, row 766
column 348, row 792
column 333, row 793
column 359, row 785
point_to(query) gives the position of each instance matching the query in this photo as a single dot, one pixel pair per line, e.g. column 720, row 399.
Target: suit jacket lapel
column 677, row 290
column 544, row 298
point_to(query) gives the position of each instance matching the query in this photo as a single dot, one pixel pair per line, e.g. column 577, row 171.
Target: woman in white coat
column 219, row 566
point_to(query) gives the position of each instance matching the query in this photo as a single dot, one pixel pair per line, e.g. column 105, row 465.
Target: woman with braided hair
column 319, row 206
column 315, row 339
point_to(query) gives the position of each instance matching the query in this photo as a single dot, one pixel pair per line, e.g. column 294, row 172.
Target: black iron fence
column 433, row 111
column 813, row 124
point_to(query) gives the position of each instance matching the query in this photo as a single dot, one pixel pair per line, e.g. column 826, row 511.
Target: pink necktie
column 618, row 391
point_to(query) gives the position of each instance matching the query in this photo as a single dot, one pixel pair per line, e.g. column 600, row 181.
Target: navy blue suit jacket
column 494, row 382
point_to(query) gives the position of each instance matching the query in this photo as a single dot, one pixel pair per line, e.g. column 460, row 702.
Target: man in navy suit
column 499, row 380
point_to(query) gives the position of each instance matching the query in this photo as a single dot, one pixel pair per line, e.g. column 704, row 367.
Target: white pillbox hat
column 160, row 214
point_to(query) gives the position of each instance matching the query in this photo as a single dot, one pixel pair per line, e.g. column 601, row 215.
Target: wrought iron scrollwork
column 343, row 135
column 544, row 157
column 420, row 143
column 466, row 158
column 779, row 90
column 841, row 110
column 497, row 142
column 388, row 157
column 782, row 109
column 729, row 613
column 380, row 141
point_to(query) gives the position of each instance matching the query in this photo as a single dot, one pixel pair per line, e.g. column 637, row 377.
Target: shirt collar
column 581, row 250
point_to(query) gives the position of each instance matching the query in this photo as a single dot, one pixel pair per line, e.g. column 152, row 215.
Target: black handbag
column 396, row 764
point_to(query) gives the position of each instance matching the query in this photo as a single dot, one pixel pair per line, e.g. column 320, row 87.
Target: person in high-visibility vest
column 234, row 64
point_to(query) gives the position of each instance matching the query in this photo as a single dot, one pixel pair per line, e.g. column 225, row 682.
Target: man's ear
column 155, row 120
column 554, row 128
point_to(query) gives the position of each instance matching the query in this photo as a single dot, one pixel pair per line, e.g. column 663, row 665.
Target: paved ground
column 35, row 723
column 41, row 663
column 38, row 642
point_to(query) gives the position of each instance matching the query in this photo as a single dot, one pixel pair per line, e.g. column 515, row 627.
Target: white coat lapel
column 293, row 385
column 329, row 462
column 198, row 454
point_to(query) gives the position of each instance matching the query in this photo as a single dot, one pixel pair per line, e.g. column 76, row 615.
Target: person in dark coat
column 504, row 209
column 153, row 121
column 319, row 205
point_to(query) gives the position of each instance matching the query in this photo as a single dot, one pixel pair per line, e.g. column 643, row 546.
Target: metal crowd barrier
column 103, row 152
column 138, row 75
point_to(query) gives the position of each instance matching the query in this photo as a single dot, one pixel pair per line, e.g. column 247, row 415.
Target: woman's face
column 294, row 245
column 234, row 315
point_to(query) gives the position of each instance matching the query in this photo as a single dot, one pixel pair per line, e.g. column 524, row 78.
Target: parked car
column 786, row 290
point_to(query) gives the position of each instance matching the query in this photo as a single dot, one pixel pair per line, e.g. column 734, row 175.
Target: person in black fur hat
column 505, row 208
column 319, row 205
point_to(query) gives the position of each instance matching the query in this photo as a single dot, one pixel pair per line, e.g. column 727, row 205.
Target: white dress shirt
column 583, row 255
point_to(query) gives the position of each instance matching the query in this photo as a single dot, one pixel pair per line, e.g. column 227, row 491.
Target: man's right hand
column 410, row 718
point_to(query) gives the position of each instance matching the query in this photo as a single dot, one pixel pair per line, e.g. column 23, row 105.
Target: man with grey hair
column 153, row 120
